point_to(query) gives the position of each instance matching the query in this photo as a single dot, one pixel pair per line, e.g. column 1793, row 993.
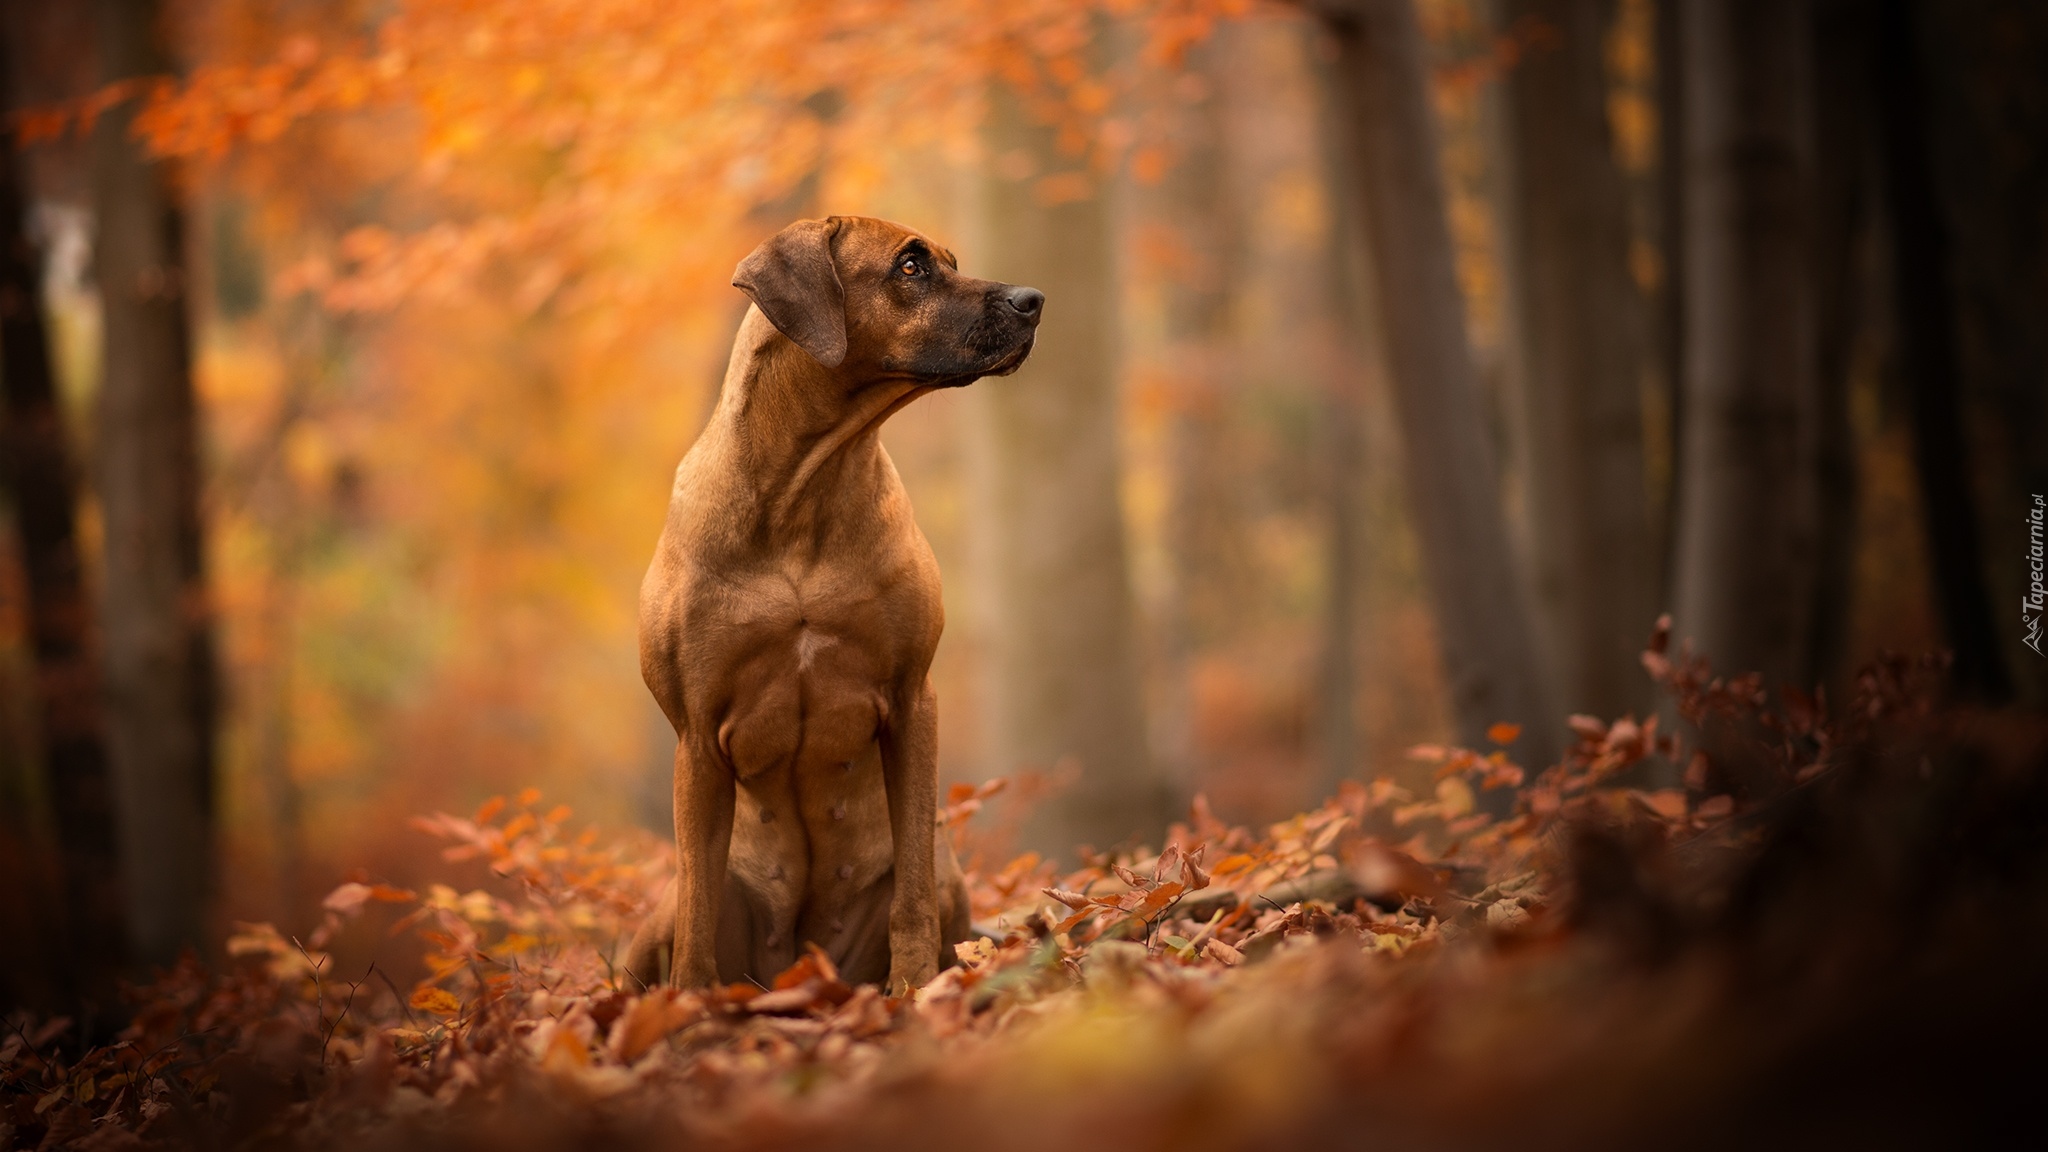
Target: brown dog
column 788, row 621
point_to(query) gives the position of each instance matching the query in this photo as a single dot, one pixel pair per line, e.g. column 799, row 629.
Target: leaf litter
column 1782, row 924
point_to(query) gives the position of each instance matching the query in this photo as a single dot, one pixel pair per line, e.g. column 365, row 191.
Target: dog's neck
column 802, row 434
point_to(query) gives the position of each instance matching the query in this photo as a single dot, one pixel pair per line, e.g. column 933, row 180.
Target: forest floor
column 1828, row 933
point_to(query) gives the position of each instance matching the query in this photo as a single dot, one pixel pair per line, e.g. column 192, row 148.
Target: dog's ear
column 792, row 279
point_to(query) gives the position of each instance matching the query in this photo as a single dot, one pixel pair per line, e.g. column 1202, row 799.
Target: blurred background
column 1403, row 362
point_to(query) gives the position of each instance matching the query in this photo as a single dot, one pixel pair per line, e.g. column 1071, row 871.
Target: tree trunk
column 1584, row 325
column 1747, row 513
column 1929, row 356
column 1058, row 627
column 159, row 666
column 1984, row 95
column 1670, row 311
column 1382, row 107
column 1343, row 445
column 43, row 482
column 1192, row 203
column 1352, row 314
column 1842, row 212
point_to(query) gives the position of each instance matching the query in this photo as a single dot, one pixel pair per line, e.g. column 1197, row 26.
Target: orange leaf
column 1233, row 864
column 1504, row 733
column 1667, row 802
column 1067, row 925
column 649, row 1018
column 1158, row 899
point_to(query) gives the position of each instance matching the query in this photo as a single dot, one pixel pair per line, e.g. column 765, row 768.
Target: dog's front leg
column 910, row 771
column 703, row 804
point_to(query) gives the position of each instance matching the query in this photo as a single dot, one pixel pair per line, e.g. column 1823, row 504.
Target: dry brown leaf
column 1073, row 900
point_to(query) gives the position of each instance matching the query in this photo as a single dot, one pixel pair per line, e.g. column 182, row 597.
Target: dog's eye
column 910, row 267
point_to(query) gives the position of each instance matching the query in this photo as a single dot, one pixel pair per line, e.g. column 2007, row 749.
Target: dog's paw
column 905, row 979
column 689, row 978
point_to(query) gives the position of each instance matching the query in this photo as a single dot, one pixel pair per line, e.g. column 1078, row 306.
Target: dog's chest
column 812, row 673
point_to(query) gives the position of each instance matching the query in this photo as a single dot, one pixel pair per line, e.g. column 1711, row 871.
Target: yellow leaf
column 515, row 943
column 256, row 940
column 439, row 1001
column 1455, row 796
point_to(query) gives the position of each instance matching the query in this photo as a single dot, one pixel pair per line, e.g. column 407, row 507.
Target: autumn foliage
column 1610, row 965
column 495, row 241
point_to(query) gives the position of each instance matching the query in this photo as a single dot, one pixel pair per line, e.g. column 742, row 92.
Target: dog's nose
column 1025, row 300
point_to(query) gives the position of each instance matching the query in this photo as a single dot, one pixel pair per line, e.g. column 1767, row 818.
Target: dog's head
column 876, row 299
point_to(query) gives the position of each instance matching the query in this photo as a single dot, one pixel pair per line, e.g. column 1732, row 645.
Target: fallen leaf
column 1387, row 875
column 796, row 999
column 1668, row 803
column 566, row 1051
column 1223, row 953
